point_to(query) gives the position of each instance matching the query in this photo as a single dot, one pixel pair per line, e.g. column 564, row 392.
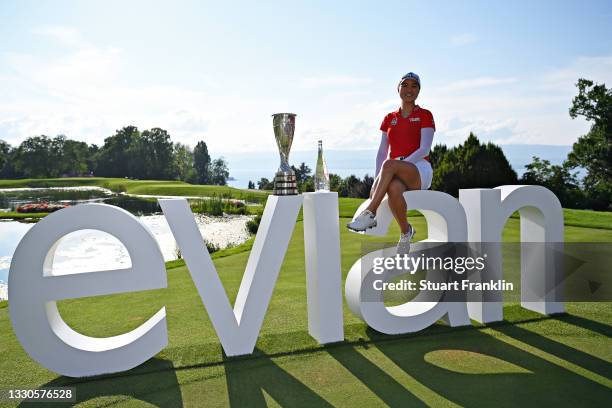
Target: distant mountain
column 255, row 165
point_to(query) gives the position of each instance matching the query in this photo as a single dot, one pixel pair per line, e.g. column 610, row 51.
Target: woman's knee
column 396, row 189
column 388, row 166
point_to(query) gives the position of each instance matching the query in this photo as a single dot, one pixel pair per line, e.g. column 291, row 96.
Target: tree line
column 147, row 154
column 473, row 164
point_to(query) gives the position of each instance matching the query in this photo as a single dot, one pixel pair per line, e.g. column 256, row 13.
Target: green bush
column 211, row 247
column 253, row 225
column 218, row 205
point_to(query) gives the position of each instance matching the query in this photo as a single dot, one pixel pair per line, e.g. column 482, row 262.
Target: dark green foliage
column 135, row 205
column 201, row 162
column 74, row 158
column 301, row 173
column 557, row 179
column 436, row 154
column 151, row 156
column 128, row 153
column 37, row 156
column 354, row 187
column 253, row 225
column 265, row 184
column 219, row 172
column 593, row 151
column 211, row 247
column 5, row 155
column 251, row 185
column 334, row 182
column 304, row 180
column 470, row 165
column 183, row 163
column 218, row 205
column 114, row 157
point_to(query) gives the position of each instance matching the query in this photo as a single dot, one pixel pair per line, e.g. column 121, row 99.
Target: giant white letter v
column 238, row 328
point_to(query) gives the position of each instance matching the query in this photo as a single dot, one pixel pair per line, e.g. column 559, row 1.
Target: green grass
column 527, row 360
column 12, row 215
column 144, row 187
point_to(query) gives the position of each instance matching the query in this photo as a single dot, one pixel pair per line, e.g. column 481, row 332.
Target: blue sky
column 215, row 72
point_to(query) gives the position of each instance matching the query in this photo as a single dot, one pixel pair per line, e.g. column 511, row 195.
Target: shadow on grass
column 250, row 378
column 247, row 379
column 153, row 382
column 560, row 350
column 546, row 384
column 378, row 381
column 591, row 325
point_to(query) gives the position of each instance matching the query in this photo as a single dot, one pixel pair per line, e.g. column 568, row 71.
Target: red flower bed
column 40, row 208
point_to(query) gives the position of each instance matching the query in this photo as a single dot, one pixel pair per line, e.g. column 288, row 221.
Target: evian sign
column 478, row 216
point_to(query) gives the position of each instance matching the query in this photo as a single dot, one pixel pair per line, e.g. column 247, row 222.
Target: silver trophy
column 284, row 182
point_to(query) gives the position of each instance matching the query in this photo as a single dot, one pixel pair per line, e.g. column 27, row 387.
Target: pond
column 89, row 250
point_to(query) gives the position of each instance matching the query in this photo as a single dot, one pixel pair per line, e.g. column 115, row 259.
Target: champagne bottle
column 321, row 178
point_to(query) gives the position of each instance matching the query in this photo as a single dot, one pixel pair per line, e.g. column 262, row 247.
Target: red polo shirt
column 404, row 134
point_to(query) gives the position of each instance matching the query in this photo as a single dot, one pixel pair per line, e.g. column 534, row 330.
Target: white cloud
column 483, row 82
column 598, row 69
column 83, row 93
column 463, row 39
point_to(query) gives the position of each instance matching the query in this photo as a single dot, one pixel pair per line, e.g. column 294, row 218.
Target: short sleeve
column 384, row 126
column 427, row 120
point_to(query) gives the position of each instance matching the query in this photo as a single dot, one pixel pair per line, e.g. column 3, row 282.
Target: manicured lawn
column 12, row 215
column 147, row 187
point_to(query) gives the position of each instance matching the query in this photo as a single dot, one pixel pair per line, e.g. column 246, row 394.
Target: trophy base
column 285, row 184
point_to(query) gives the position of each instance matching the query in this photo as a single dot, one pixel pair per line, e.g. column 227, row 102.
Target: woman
column 406, row 140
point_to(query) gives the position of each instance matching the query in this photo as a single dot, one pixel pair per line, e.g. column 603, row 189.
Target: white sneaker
column 363, row 221
column 403, row 246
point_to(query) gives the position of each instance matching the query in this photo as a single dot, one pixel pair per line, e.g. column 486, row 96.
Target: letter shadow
column 546, row 383
column 598, row 327
column 560, row 350
column 247, row 378
column 153, row 382
column 378, row 381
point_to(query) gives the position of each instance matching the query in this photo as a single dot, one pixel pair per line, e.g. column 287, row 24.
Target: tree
column 354, row 187
column 471, row 165
column 335, row 181
column 92, row 158
column 114, row 159
column 301, row 173
column 201, row 162
column 183, row 162
column 436, row 155
column 301, row 176
column 151, row 155
column 593, row 151
column 37, row 157
column 75, row 157
column 5, row 151
column 251, row 185
column 265, row 184
column 557, row 179
column 219, row 172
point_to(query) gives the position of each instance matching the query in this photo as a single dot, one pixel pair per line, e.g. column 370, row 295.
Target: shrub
column 253, row 225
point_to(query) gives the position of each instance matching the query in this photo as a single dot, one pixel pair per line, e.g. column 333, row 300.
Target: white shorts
column 426, row 173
